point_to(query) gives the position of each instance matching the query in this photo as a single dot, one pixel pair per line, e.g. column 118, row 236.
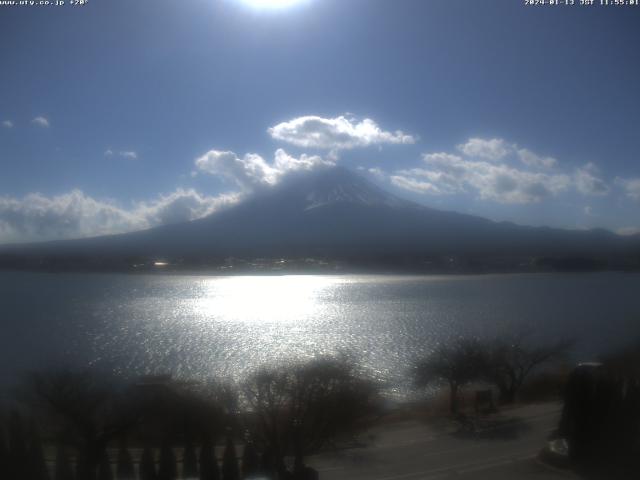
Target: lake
column 196, row 326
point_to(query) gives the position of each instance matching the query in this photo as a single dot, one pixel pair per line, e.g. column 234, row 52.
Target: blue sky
column 123, row 114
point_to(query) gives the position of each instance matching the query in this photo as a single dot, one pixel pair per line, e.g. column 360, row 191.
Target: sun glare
column 271, row 4
column 263, row 299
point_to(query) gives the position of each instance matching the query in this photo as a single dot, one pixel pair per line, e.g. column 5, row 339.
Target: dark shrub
column 37, row 464
column 4, row 453
column 208, row 462
column 230, row 470
column 147, row 465
column 601, row 414
column 189, row 462
column 104, row 467
column 18, row 451
column 250, row 460
column 125, row 469
column 63, row 469
column 167, row 469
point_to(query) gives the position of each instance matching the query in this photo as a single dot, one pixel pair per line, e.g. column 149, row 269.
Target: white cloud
column 284, row 163
column 493, row 149
column 445, row 176
column 414, row 185
column 340, row 133
column 7, row 124
column 376, row 172
column 488, row 168
column 248, row 172
column 129, row 154
column 631, row 187
column 451, row 174
column 588, row 183
column 74, row 214
column 252, row 171
column 536, row 161
column 183, row 205
column 41, row 122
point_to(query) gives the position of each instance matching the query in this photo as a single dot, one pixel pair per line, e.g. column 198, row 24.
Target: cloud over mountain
column 251, row 171
column 75, row 214
column 340, row 133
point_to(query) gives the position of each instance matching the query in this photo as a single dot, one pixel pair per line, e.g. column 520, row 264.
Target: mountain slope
column 335, row 213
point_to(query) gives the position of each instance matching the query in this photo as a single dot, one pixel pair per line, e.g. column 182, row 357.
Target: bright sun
column 271, row 3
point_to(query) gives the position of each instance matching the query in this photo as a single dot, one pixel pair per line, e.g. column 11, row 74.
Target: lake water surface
column 208, row 326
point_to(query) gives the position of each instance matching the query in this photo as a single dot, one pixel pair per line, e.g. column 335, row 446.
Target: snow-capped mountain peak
column 336, row 185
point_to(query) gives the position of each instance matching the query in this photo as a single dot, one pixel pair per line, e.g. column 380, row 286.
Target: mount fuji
column 334, row 213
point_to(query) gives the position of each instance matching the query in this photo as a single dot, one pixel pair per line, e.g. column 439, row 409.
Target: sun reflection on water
column 264, row 299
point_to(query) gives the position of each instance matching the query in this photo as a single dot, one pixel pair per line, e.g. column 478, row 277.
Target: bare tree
column 455, row 363
column 299, row 409
column 179, row 411
column 509, row 361
column 328, row 399
column 268, row 395
column 89, row 409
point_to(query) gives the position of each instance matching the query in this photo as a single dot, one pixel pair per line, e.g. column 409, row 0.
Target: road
column 505, row 446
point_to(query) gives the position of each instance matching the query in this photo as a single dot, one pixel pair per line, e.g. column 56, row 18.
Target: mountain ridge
column 336, row 214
